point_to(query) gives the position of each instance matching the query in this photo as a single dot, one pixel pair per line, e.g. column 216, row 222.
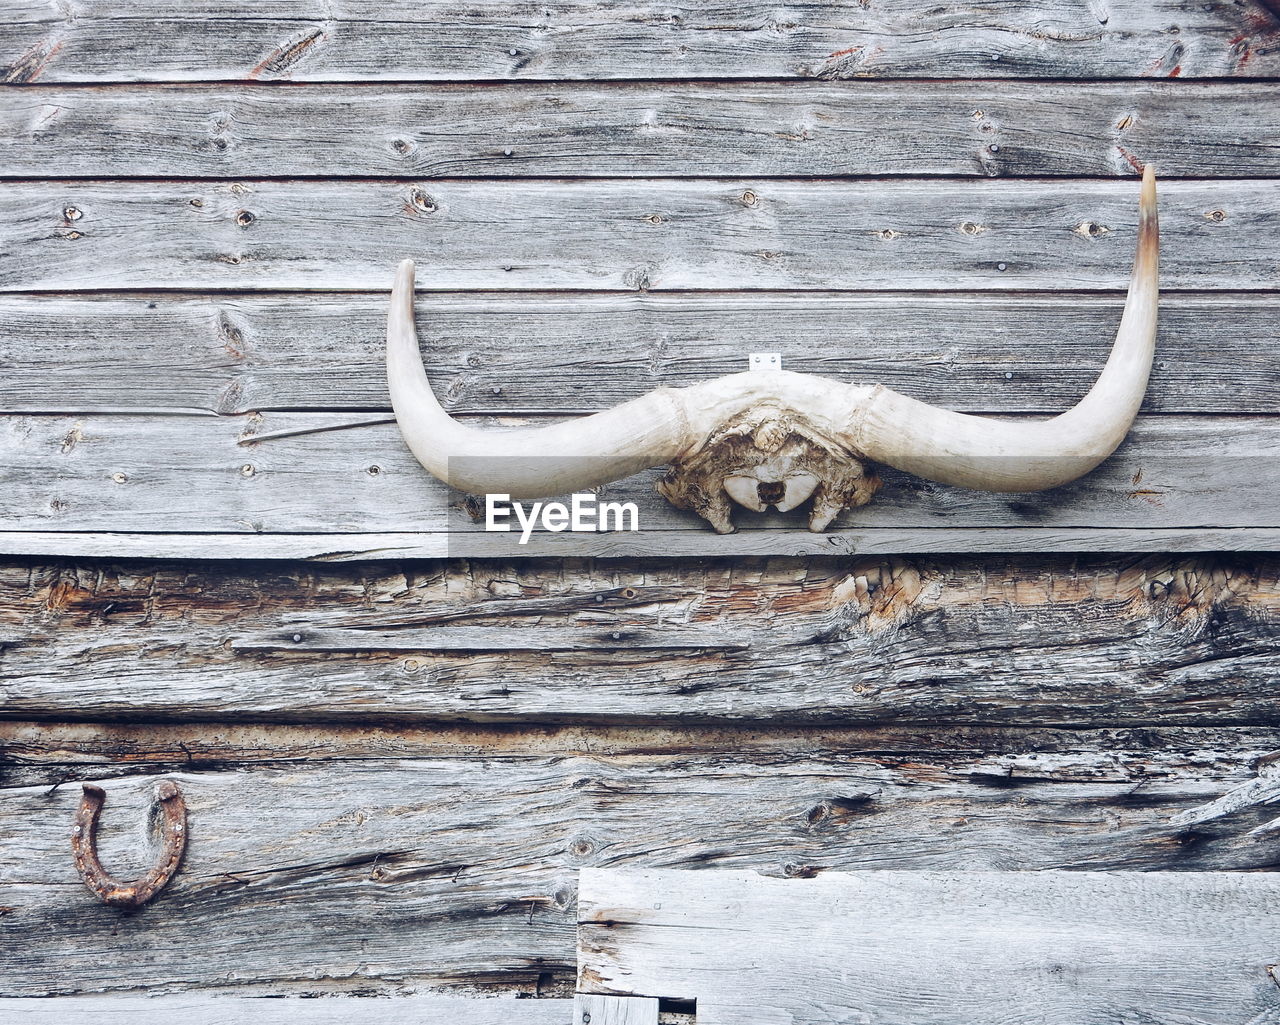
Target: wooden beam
column 1084, row 641
column 396, row 862
column 932, row 948
column 634, row 236
column 421, row 40
column 597, row 130
column 505, row 355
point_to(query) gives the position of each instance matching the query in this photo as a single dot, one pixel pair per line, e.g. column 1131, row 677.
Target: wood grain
column 303, row 40
column 1082, row 641
column 633, row 130
column 631, row 235
column 393, row 875
column 936, row 948
column 338, row 473
column 194, row 259
column 598, row 1010
column 212, row 1009
column 501, row 354
column 351, row 547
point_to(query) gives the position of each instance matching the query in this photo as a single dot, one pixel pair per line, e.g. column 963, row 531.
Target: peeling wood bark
column 630, row 235
column 458, row 868
column 1086, row 641
column 501, row 355
column 51, row 753
column 634, row 130
column 936, row 948
column 582, row 39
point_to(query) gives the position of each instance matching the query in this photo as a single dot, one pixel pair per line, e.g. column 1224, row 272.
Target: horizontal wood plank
column 350, row 547
column 638, row 130
column 631, row 235
column 932, row 948
column 304, row 40
column 502, row 355
column 1243, row 759
column 340, row 473
column 396, row 875
column 1015, row 640
column 212, row 1009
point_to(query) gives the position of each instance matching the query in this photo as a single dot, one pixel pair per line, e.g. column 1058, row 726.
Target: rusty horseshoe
column 135, row 893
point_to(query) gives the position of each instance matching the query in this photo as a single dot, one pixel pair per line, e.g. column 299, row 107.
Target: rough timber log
column 1012, row 640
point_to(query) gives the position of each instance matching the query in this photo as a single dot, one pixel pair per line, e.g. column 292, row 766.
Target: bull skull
column 774, row 438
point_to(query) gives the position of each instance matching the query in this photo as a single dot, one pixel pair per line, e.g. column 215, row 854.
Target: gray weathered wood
column 400, row 802
column 932, row 948
column 211, row 1009
column 288, row 473
column 1085, row 641
column 468, row 638
column 501, row 354
column 352, row 547
column 633, row 130
column 459, row 868
column 307, row 40
column 598, row 1010
column 631, row 235
column 1237, row 764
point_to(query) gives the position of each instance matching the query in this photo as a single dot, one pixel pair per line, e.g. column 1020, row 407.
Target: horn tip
column 404, row 274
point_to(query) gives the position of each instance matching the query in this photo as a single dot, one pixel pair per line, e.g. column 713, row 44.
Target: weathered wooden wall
column 395, row 766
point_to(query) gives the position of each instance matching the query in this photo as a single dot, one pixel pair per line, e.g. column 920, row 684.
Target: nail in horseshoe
column 131, row 894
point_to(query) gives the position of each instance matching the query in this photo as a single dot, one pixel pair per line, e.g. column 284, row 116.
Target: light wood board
column 925, row 948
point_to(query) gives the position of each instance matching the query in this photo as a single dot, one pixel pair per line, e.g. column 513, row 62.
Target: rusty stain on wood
column 284, row 57
column 31, row 64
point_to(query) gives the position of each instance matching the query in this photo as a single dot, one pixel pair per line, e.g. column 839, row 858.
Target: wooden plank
column 340, row 548
column 332, row 473
column 305, row 40
column 211, row 1009
column 598, row 1010
column 1015, row 640
column 639, row 130
column 501, row 355
column 1056, row 947
column 399, row 875
column 631, row 235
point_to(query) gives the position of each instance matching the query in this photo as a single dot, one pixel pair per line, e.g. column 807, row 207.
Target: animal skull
column 769, row 457
column 774, row 438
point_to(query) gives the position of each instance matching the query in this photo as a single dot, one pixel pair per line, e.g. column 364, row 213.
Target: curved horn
column 999, row 455
column 531, row 463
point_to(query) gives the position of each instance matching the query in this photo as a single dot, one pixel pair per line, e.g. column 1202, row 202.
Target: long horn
column 999, row 455
column 531, row 463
